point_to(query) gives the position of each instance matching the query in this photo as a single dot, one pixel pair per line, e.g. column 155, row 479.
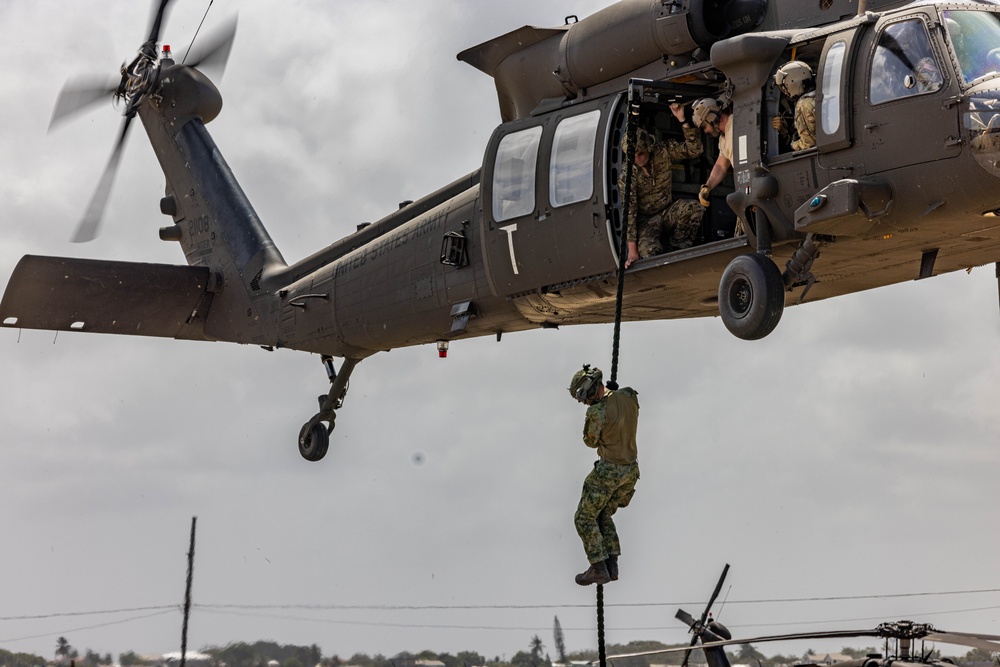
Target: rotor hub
column 138, row 79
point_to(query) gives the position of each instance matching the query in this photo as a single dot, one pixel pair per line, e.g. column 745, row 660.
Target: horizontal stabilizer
column 62, row 294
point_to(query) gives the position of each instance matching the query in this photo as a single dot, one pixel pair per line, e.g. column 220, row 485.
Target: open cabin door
column 548, row 210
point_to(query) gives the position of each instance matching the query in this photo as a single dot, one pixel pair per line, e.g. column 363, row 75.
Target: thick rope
column 187, row 594
column 628, row 161
column 601, row 653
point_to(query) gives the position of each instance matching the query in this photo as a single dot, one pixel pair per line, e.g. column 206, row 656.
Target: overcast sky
column 851, row 454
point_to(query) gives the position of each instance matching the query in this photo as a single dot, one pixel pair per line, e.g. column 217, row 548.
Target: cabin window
column 514, row 174
column 833, row 69
column 571, row 172
column 903, row 64
column 974, row 38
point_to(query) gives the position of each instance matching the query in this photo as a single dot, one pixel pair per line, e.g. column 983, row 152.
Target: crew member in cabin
column 795, row 81
column 653, row 215
column 710, row 117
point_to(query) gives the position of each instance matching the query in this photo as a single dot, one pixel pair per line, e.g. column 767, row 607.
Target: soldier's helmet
column 585, row 383
column 794, row 78
column 643, row 142
column 706, row 110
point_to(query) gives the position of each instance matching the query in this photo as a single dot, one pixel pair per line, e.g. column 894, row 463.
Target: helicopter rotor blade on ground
column 984, row 642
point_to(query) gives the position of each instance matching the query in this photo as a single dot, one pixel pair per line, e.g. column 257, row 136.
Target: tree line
column 534, row 654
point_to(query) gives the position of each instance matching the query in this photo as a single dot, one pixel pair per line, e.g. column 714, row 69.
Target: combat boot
column 612, row 564
column 596, row 574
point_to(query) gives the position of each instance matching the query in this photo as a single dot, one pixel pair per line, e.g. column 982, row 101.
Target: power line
column 378, row 607
column 88, row 613
column 234, row 609
column 87, row 627
column 386, row 624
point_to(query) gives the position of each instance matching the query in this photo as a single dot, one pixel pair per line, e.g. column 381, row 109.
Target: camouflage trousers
column 607, row 487
column 678, row 225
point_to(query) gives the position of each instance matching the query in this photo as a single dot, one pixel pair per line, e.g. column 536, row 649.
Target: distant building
column 413, row 662
column 191, row 658
column 826, row 658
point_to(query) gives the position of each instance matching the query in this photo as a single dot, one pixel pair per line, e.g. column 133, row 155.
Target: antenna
column 197, row 31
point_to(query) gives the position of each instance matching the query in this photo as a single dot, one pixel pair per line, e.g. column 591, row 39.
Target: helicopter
column 531, row 239
column 900, row 637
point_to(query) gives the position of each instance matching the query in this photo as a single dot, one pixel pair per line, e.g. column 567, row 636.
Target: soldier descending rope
column 610, row 427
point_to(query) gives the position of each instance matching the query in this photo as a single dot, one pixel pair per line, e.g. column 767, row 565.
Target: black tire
column 751, row 296
column 314, row 440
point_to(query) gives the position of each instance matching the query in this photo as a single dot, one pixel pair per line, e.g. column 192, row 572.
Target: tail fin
column 214, row 221
column 62, row 294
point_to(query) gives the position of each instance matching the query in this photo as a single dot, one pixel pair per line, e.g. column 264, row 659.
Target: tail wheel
column 314, row 440
column 751, row 296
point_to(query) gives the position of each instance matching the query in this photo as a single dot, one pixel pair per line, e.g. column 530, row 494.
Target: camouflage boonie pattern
column 805, row 122
column 607, row 487
column 652, row 185
column 678, row 225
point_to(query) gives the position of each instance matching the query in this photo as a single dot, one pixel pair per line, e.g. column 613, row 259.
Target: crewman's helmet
column 585, row 383
column 794, row 78
column 706, row 110
column 643, row 142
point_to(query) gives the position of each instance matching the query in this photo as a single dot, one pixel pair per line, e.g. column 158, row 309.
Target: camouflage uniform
column 805, row 122
column 652, row 211
column 610, row 427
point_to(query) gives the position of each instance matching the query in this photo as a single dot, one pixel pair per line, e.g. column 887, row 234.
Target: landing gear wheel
column 314, row 440
column 751, row 296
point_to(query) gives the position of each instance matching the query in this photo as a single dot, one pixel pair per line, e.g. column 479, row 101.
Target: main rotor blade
column 984, row 642
column 212, row 53
column 758, row 640
column 87, row 229
column 81, row 93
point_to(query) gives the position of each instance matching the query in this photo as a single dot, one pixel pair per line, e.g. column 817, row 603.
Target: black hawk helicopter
column 901, row 185
column 901, row 637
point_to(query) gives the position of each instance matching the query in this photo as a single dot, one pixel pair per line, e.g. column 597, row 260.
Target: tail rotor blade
column 80, row 94
column 684, row 617
column 698, row 626
column 156, row 22
column 715, row 593
column 87, row 229
column 212, row 52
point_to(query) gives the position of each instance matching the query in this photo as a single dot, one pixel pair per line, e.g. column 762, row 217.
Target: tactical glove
column 703, row 195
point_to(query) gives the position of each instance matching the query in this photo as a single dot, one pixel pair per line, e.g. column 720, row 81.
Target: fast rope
column 187, row 594
column 631, row 127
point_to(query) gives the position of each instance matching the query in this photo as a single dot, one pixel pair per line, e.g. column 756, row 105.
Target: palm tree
column 536, row 648
column 63, row 649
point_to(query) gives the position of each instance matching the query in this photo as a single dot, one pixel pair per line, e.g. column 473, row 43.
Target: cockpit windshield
column 975, row 39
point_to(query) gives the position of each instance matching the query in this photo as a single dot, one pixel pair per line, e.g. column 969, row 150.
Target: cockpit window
column 982, row 124
column 903, row 64
column 571, row 172
column 975, row 39
column 514, row 174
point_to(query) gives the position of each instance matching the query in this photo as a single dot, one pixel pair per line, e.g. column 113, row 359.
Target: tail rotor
column 136, row 80
column 706, row 629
